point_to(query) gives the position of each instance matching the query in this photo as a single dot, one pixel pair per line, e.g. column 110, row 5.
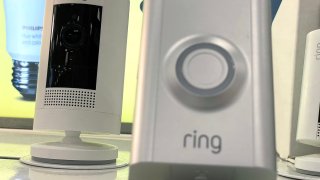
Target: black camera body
column 74, row 49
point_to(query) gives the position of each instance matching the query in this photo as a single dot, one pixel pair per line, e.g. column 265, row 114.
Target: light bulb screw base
column 24, row 78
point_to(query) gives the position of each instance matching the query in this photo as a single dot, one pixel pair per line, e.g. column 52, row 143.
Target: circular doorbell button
column 205, row 72
column 205, row 69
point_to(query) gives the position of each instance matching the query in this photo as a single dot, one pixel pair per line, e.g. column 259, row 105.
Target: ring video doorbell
column 205, row 96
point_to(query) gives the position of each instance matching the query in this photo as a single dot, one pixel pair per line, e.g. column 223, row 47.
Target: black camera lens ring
column 73, row 36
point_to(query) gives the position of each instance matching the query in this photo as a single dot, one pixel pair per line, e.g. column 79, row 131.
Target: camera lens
column 72, row 36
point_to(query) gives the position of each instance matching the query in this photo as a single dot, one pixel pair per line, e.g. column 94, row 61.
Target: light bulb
column 23, row 36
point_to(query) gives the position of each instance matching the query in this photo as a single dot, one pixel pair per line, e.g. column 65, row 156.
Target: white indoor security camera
column 309, row 114
column 80, row 82
column 205, row 96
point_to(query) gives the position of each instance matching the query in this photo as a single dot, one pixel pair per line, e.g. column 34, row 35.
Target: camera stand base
column 286, row 169
column 73, row 153
column 28, row 160
column 309, row 164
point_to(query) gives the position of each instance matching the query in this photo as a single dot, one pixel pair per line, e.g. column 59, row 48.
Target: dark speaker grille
column 70, row 98
column 318, row 132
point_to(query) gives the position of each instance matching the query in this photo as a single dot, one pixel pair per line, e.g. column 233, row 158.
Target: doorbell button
column 205, row 72
column 205, row 69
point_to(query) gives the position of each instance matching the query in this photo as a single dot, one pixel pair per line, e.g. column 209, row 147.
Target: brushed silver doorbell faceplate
column 205, row 97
